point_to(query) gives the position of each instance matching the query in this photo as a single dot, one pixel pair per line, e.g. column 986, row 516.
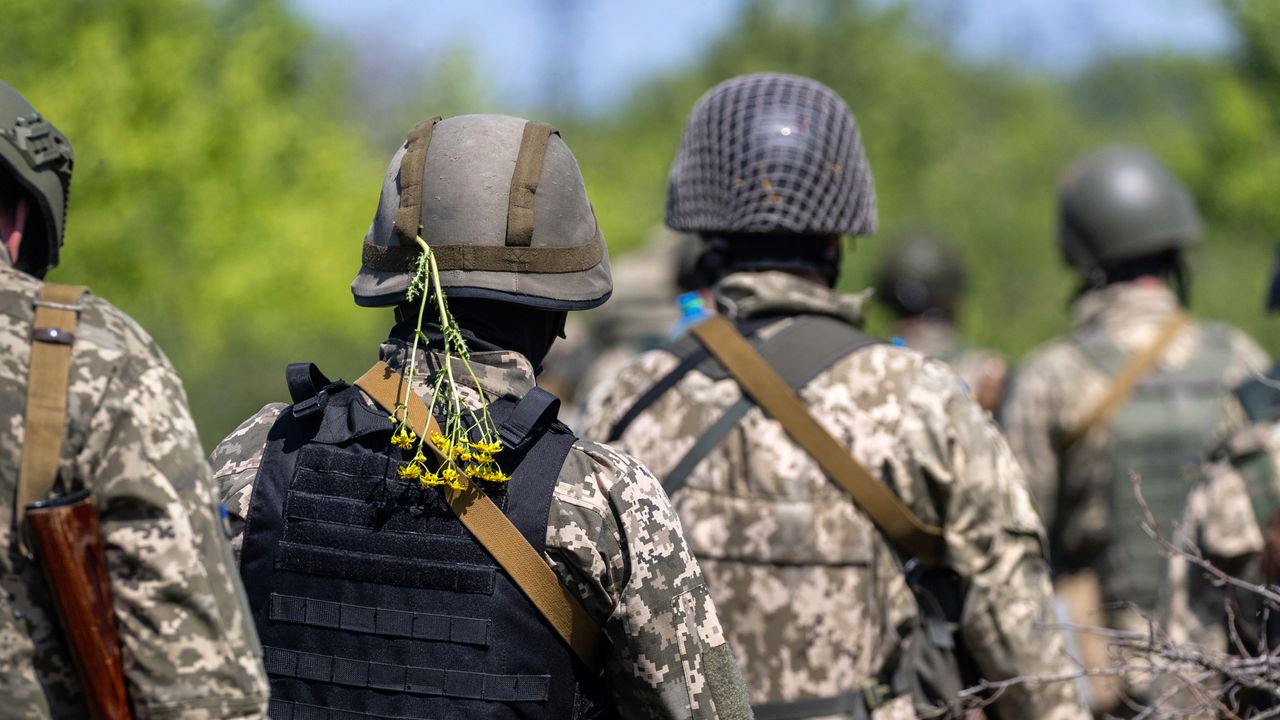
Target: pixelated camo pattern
column 612, row 538
column 188, row 643
column 811, row 597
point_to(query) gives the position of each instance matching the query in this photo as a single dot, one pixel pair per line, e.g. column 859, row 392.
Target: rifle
column 68, row 541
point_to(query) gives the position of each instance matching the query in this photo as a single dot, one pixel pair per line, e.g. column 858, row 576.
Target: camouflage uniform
column 813, row 599
column 188, row 644
column 612, row 538
column 983, row 371
column 1058, row 385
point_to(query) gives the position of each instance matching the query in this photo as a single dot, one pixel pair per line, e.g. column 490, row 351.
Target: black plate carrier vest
column 373, row 602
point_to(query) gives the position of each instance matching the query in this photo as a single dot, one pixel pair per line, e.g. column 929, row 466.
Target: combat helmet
column 501, row 203
column 1120, row 204
column 918, row 274
column 39, row 159
column 771, row 153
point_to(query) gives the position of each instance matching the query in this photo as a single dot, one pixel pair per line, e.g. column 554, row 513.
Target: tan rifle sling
column 491, row 527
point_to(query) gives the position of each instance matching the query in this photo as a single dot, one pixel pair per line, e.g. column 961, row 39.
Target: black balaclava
column 724, row 254
column 492, row 325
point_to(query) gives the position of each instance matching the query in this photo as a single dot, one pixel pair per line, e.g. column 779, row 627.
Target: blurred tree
column 218, row 195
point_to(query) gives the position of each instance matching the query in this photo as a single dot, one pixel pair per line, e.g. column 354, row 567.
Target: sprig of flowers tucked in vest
column 462, row 459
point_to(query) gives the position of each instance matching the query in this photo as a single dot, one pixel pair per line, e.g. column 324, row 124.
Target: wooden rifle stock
column 66, row 537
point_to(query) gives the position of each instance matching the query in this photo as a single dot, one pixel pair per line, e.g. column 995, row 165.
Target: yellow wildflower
column 483, row 458
column 411, row 471
column 465, row 456
column 471, row 471
column 439, row 440
column 420, row 458
column 491, row 448
column 404, row 438
column 449, row 474
column 493, row 475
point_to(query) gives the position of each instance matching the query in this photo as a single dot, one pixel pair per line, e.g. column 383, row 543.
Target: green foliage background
column 226, row 170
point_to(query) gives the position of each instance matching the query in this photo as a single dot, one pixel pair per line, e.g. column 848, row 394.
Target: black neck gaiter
column 492, row 325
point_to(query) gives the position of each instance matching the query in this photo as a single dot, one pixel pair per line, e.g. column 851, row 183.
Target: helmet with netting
column 1120, row 204
column 501, row 203
column 771, row 153
column 37, row 159
column 919, row 274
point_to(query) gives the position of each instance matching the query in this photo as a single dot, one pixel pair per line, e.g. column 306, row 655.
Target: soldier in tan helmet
column 438, row 544
column 820, row 474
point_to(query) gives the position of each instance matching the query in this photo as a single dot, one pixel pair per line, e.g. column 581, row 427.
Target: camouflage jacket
column 1057, row 386
column 983, row 371
column 188, row 643
column 612, row 538
column 812, row 598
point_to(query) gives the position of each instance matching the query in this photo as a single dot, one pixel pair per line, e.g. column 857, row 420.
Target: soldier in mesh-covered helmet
column 603, row 613
column 922, row 280
column 1137, row 388
column 96, row 420
column 812, row 584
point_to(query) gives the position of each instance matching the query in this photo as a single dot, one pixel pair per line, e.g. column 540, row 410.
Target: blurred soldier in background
column 922, row 280
column 810, row 533
column 374, row 595
column 92, row 405
column 1232, row 520
column 1138, row 389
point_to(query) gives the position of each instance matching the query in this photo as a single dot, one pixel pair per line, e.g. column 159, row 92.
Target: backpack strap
column 825, row 340
column 53, row 333
column 539, row 407
column 890, row 515
column 1124, row 381
column 691, row 356
column 486, row 521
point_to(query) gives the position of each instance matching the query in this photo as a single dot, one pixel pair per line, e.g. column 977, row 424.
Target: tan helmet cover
column 501, row 203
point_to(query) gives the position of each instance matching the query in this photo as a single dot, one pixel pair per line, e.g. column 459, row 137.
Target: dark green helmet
column 920, row 274
column 501, row 202
column 1120, row 204
column 38, row 158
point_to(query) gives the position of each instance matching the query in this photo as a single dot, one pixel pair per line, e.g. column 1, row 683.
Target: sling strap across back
column 486, row 521
column 53, row 332
column 1127, row 378
column 886, row 510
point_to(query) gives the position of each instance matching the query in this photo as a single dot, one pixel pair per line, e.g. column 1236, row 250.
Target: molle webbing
column 488, row 258
column 524, row 182
column 890, row 515
column 406, row 679
column 379, row 621
column 57, row 312
column 412, row 166
column 486, row 521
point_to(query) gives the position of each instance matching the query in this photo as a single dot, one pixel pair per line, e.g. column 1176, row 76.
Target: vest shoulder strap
column 890, row 515
column 1124, row 381
column 486, row 521
column 826, row 341
column 53, row 333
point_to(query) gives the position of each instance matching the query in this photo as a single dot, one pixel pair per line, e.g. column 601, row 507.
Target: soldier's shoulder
column 242, row 448
column 107, row 329
column 1051, row 357
column 903, row 371
column 593, row 464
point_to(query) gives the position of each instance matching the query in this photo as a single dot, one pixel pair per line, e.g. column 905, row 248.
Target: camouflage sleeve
column 235, row 466
column 1248, row 359
column 1218, row 523
column 995, row 542
column 1027, row 416
column 613, row 538
column 189, row 646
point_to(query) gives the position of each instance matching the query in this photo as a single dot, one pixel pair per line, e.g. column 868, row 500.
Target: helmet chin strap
column 12, row 222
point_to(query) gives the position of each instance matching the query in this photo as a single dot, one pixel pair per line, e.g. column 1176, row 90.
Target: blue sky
column 593, row 51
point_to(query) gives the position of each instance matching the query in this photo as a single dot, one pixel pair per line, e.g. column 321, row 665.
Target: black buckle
column 53, row 336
